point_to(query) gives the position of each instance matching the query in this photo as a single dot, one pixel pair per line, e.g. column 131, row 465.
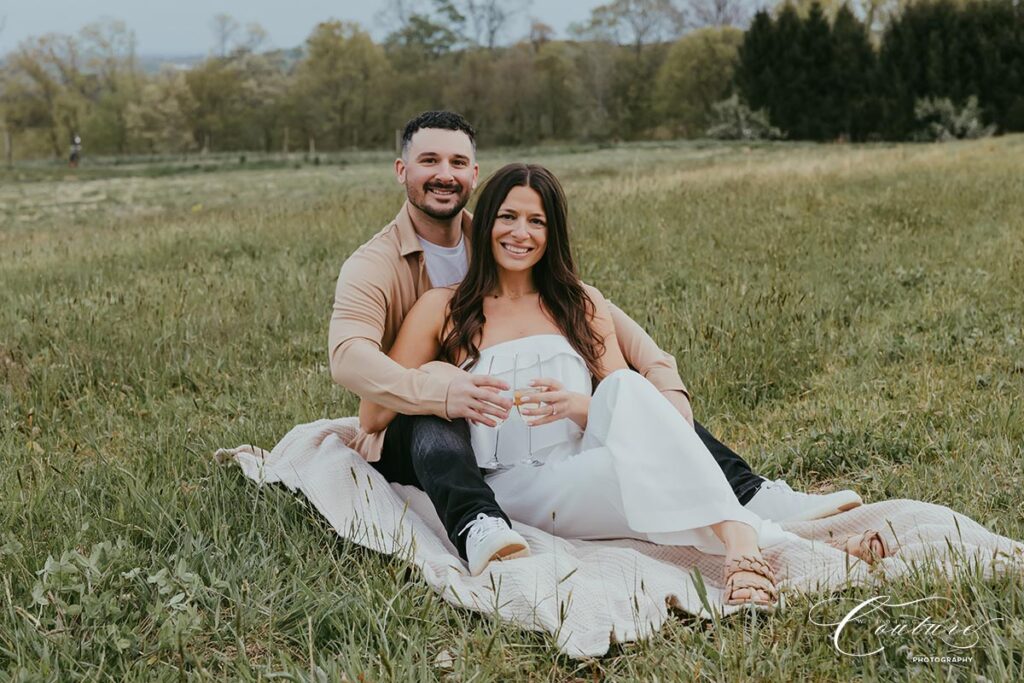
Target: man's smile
column 444, row 192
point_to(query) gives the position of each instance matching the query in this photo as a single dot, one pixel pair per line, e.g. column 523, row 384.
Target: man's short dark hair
column 447, row 120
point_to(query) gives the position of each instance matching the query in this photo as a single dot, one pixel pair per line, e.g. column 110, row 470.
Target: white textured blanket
column 589, row 593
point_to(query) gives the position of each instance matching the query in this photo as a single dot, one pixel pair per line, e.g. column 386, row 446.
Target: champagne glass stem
column 497, row 440
column 495, row 464
column 533, row 369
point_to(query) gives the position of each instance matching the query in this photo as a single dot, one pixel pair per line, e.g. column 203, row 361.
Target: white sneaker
column 776, row 501
column 491, row 538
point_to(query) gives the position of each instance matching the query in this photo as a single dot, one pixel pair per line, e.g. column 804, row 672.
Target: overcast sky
column 179, row 27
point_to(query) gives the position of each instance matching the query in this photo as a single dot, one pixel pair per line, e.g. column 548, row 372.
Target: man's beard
column 420, row 202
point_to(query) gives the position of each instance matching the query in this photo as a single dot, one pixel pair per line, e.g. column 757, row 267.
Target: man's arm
column 418, row 345
column 354, row 342
column 358, row 364
column 645, row 357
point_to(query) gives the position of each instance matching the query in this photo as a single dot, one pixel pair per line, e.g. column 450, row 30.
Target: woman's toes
column 748, row 592
column 853, row 546
column 875, row 548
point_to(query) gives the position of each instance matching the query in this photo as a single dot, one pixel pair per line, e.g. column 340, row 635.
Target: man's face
column 439, row 171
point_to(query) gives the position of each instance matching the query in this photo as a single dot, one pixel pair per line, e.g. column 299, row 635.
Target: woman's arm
column 570, row 404
column 418, row 342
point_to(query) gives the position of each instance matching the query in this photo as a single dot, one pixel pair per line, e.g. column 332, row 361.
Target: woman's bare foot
column 748, row 577
column 867, row 546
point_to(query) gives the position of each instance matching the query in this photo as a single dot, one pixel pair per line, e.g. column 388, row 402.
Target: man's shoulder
column 379, row 251
column 594, row 293
column 384, row 243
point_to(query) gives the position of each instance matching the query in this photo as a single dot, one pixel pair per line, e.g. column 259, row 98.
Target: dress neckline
column 529, row 336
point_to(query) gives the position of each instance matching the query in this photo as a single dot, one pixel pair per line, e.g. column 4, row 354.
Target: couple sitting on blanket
column 461, row 305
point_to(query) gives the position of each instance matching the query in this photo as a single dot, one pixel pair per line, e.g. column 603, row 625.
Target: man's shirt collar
column 409, row 242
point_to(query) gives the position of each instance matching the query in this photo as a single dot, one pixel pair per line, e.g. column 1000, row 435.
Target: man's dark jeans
column 436, row 455
column 741, row 478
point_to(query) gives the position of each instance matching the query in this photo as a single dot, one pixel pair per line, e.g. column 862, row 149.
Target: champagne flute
column 495, row 464
column 527, row 368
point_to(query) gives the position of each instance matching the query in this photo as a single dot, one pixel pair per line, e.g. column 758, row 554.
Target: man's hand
column 681, row 403
column 476, row 398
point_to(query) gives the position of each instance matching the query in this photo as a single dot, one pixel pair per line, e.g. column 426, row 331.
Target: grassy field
column 844, row 315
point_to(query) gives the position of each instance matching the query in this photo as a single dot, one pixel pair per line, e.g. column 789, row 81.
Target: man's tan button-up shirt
column 377, row 286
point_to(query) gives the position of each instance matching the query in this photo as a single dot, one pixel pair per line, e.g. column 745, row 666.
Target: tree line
column 636, row 69
column 822, row 80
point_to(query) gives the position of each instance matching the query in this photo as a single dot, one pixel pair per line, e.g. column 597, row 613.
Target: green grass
column 844, row 315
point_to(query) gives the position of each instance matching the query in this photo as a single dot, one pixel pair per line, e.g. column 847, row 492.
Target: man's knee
column 440, row 442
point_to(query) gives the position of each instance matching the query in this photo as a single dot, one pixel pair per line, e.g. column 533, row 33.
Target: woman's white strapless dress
column 639, row 470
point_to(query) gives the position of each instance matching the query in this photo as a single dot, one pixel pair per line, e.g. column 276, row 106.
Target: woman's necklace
column 514, row 297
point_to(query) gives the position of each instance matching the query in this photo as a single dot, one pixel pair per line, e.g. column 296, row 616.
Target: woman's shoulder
column 432, row 307
column 437, row 297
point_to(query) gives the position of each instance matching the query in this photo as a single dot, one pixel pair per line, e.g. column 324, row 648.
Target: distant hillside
column 153, row 63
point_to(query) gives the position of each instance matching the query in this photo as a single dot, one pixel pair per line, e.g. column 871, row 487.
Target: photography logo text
column 929, row 629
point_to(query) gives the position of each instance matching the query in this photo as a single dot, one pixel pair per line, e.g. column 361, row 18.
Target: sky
column 182, row 27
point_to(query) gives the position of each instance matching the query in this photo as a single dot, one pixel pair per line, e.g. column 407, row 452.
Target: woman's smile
column 515, row 250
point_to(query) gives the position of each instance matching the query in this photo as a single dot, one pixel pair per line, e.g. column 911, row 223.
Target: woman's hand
column 554, row 403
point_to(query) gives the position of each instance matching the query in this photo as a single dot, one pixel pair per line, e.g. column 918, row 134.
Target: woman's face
column 520, row 232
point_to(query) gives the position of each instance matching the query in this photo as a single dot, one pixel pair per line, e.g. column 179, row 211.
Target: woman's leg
column 740, row 540
column 672, row 489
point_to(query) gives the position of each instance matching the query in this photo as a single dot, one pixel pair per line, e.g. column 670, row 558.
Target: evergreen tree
column 854, row 103
column 818, row 115
column 894, row 77
column 942, row 50
column 755, row 73
column 790, row 94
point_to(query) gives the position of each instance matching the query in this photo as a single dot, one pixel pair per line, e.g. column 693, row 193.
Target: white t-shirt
column 445, row 265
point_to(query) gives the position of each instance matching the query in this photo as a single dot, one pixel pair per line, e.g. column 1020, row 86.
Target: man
column 76, row 151
column 428, row 445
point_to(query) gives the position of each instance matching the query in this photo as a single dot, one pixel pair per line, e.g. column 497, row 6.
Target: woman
column 616, row 462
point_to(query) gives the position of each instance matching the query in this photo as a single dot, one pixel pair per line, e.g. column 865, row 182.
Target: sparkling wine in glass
column 494, row 463
column 527, row 368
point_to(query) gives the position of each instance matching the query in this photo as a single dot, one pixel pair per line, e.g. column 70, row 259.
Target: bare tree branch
column 634, row 22
column 718, row 13
column 224, row 28
column 489, row 17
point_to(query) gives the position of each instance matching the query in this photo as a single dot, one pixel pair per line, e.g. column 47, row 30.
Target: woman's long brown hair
column 555, row 277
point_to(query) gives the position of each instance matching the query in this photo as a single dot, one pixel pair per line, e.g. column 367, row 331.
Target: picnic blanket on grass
column 591, row 593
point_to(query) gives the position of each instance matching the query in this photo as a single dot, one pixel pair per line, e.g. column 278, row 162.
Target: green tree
column 264, row 83
column 853, row 98
column 215, row 88
column 594, row 62
column 109, row 53
column 159, row 119
column 340, row 82
column 697, row 73
column 756, row 71
column 790, row 94
column 52, row 89
column 817, row 116
column 422, row 41
column 559, row 91
column 945, row 50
